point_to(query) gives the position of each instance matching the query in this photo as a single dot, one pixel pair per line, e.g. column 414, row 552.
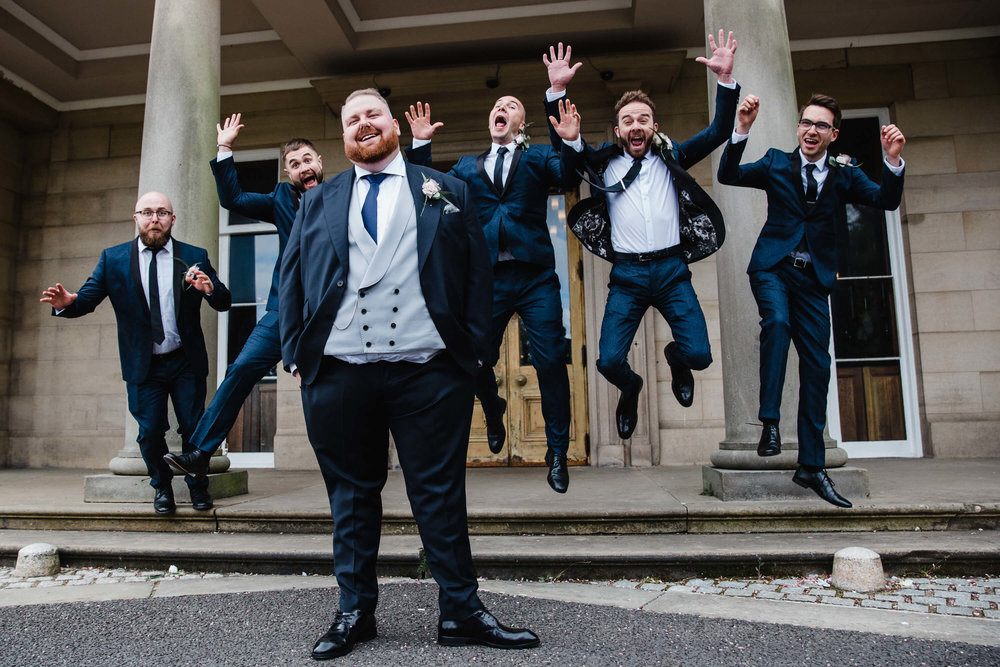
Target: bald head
column 154, row 218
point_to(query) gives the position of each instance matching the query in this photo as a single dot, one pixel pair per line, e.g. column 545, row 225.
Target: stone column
column 764, row 68
column 178, row 141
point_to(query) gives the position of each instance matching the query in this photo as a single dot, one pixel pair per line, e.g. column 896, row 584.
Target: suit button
column 340, row 283
column 392, row 342
column 361, row 294
column 395, row 310
column 364, row 311
column 368, row 344
column 364, row 328
column 393, row 325
column 395, row 291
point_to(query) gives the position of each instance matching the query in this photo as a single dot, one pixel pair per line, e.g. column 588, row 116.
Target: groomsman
column 262, row 349
column 156, row 285
column 510, row 184
column 650, row 219
column 385, row 295
column 793, row 266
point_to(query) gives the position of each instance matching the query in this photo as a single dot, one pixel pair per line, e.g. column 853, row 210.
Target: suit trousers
column 664, row 284
column 793, row 307
column 170, row 376
column 532, row 291
column 260, row 353
column 350, row 410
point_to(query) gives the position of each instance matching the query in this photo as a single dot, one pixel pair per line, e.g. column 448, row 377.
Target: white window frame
column 912, row 446
column 238, row 459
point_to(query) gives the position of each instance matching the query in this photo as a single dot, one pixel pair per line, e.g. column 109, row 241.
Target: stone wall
column 12, row 183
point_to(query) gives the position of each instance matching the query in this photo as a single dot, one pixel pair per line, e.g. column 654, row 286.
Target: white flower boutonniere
column 188, row 271
column 664, row 145
column 842, row 160
column 523, row 140
column 433, row 192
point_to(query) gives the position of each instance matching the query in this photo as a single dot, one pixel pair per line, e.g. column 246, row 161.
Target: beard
column 154, row 242
column 386, row 145
column 647, row 141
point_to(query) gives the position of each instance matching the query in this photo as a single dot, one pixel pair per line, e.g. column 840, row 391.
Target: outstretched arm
column 58, row 297
column 419, row 118
column 722, row 58
column 227, row 132
column 255, row 205
column 560, row 71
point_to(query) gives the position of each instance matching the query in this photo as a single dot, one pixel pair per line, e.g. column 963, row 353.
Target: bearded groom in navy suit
column 794, row 264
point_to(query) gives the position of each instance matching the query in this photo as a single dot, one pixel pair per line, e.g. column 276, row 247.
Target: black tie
column 498, row 169
column 155, row 319
column 369, row 211
column 625, row 182
column 812, row 186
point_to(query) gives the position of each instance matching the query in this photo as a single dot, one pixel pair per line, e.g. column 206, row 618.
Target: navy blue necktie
column 498, row 168
column 155, row 318
column 812, row 185
column 369, row 210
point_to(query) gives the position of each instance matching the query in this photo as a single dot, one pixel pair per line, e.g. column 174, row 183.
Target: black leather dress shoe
column 681, row 380
column 627, row 413
column 558, row 476
column 770, row 441
column 194, row 462
column 496, row 434
column 821, row 483
column 163, row 501
column 483, row 628
column 348, row 629
column 201, row 499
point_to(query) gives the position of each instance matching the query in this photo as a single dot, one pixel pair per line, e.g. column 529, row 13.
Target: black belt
column 646, row 256
column 167, row 355
column 797, row 262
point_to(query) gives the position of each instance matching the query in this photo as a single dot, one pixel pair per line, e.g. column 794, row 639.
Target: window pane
column 255, row 176
column 864, row 319
column 865, row 250
column 251, row 267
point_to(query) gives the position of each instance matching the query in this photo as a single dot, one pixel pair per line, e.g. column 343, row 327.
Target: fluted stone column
column 763, row 68
column 178, row 141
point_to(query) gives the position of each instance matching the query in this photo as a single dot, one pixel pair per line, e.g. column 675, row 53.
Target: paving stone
column 907, row 591
column 933, row 601
column 906, row 606
column 657, row 587
column 49, row 584
column 785, row 582
column 955, row 595
column 732, row 584
column 990, row 598
column 709, row 589
column 681, row 588
column 739, row 592
column 877, row 604
column 793, row 590
column 934, row 587
column 971, row 589
column 950, row 581
column 955, row 611
column 21, row 584
column 801, row 598
column 991, row 613
column 45, row 578
column 838, row 601
column 769, row 595
column 68, row 577
column 621, row 583
column 762, row 587
column 138, row 579
column 822, row 591
column 883, row 597
column 700, row 582
column 108, row 580
column 79, row 582
column 854, row 595
column 153, row 573
column 920, row 580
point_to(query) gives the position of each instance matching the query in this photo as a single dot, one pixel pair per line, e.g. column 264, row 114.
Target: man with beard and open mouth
column 385, row 308
column 658, row 221
column 262, row 350
column 160, row 343
column 794, row 264
column 510, row 184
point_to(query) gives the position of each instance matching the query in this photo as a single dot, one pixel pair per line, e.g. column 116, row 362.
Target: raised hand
column 58, row 297
column 746, row 113
column 228, row 131
column 568, row 124
column 560, row 71
column 722, row 59
column 892, row 143
column 200, row 280
column 420, row 121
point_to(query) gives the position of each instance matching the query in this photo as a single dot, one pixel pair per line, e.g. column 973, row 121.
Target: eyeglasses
column 821, row 127
column 148, row 213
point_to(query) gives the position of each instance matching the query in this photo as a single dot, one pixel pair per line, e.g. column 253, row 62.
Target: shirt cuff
column 292, row 368
column 576, row 144
column 552, row 97
column 222, row 155
column 731, row 85
column 895, row 170
column 737, row 137
column 419, row 143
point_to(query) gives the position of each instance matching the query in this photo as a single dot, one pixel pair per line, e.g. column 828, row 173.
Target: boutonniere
column 842, row 160
column 664, row 145
column 188, row 271
column 523, row 140
column 432, row 192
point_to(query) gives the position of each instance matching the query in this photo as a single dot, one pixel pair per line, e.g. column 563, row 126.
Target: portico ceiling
column 75, row 53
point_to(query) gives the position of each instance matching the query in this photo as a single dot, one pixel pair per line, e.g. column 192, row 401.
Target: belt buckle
column 799, row 263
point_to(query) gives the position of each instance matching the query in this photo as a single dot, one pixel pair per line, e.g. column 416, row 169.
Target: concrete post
column 764, row 68
column 178, row 141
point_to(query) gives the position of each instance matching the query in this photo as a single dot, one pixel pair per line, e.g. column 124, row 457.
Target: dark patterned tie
column 155, row 318
column 812, row 187
column 369, row 211
column 626, row 181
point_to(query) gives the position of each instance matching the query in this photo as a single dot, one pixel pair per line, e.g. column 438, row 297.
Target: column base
column 117, row 488
column 744, row 457
column 726, row 485
column 130, row 462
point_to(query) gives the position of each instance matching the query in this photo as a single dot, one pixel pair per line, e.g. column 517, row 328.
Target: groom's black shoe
column 348, row 629
column 821, row 483
column 627, row 413
column 483, row 628
column 558, row 476
column 681, row 380
column 194, row 462
column 496, row 434
column 770, row 441
column 163, row 500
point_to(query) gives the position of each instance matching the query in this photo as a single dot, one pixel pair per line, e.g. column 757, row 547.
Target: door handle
column 520, row 380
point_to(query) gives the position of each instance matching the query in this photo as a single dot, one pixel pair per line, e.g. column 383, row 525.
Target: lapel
column 335, row 209
column 514, row 159
column 487, row 179
column 179, row 283
column 133, row 260
column 427, row 216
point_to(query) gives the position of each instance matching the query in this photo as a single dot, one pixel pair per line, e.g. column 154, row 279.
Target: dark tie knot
column 501, row 151
column 810, row 168
column 375, row 179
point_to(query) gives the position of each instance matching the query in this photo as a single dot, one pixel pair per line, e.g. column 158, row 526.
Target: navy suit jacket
column 789, row 217
column 117, row 277
column 702, row 228
column 522, row 205
column 455, row 275
column 278, row 208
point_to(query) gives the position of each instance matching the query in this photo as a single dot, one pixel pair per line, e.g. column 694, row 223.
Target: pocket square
column 450, row 208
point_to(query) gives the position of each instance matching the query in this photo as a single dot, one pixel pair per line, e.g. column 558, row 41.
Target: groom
column 385, row 307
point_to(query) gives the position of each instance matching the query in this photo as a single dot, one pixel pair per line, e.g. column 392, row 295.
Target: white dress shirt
column 388, row 190
column 165, row 283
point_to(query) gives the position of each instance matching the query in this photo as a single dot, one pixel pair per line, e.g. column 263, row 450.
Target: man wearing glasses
column 156, row 285
column 793, row 266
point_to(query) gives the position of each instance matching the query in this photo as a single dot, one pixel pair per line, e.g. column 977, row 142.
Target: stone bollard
column 37, row 560
column 857, row 569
